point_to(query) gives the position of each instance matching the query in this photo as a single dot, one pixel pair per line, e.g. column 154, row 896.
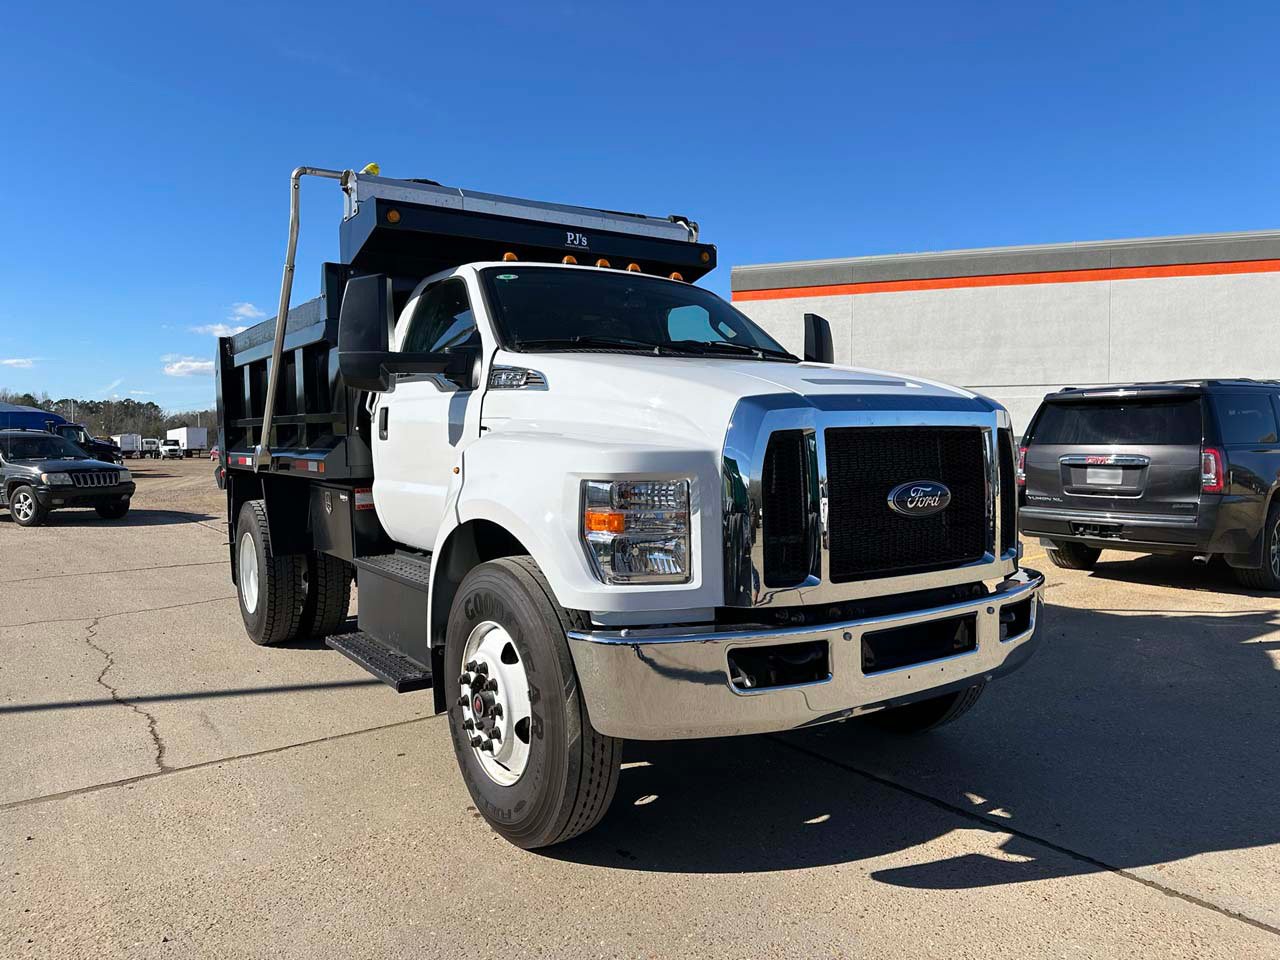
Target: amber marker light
column 675, row 275
column 633, row 268
column 508, row 257
column 604, row 521
column 569, row 258
column 393, row 216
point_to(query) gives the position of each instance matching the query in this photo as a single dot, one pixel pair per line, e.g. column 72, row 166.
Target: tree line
column 104, row 418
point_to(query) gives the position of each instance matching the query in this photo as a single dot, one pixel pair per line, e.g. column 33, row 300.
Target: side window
column 1245, row 418
column 443, row 319
column 692, row 322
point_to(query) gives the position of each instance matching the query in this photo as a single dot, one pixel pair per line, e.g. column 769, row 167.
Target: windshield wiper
column 724, row 346
column 587, row 342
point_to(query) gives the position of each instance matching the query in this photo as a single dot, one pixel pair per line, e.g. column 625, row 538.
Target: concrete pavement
column 171, row 790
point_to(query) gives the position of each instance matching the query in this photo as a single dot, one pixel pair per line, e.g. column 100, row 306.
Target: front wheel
column 533, row 764
column 25, row 508
column 929, row 714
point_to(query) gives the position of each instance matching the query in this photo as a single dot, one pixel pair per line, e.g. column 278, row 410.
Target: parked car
column 41, row 471
column 150, row 447
column 1190, row 467
column 103, row 450
column 170, row 450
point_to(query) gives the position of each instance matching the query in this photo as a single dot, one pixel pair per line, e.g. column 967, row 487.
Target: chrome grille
column 95, row 478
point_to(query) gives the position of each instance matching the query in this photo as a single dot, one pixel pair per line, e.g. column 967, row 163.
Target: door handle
column 382, row 422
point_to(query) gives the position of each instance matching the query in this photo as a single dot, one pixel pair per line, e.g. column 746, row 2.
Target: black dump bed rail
column 408, row 230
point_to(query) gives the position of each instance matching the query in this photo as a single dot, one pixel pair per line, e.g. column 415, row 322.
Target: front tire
column 534, row 766
column 271, row 590
column 928, row 714
column 113, row 511
column 1073, row 556
column 25, row 508
column 1266, row 577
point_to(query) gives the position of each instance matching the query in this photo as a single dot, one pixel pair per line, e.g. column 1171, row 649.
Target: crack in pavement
column 103, row 573
column 90, row 634
column 119, row 613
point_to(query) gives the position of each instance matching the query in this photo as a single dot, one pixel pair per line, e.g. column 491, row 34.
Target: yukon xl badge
column 919, row 498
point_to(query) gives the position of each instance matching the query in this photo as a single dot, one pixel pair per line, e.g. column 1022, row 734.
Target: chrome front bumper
column 653, row 684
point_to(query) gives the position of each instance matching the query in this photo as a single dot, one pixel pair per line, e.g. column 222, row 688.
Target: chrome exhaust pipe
column 1201, row 558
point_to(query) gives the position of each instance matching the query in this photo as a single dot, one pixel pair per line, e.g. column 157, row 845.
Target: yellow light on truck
column 602, row 262
column 372, row 169
column 604, row 521
column 569, row 258
column 633, row 268
column 675, row 275
column 509, row 256
column 393, row 216
column 706, row 257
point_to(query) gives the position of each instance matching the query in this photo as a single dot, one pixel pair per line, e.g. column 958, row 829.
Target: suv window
column 1084, row 422
column 443, row 319
column 1245, row 418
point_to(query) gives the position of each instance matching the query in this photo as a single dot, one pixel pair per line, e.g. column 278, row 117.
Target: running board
column 396, row 671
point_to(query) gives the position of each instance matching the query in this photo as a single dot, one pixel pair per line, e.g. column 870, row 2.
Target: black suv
column 40, row 472
column 1187, row 467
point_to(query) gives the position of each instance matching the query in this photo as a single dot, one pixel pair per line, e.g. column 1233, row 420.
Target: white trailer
column 191, row 439
column 130, row 444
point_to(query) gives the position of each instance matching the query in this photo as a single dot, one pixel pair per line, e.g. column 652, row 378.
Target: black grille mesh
column 868, row 539
column 1008, row 494
column 785, row 505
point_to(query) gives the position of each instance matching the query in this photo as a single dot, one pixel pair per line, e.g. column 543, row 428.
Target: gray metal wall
column 1017, row 341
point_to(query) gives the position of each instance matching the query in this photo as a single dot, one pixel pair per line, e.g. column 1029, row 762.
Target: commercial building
column 1017, row 322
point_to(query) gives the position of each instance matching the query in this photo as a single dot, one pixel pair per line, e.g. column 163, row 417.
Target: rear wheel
column 533, row 764
column 25, row 508
column 928, row 714
column 1073, row 556
column 271, row 589
column 328, row 596
column 1266, row 577
column 112, row 511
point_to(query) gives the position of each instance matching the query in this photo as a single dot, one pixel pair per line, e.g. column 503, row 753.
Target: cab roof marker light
column 633, row 268
column 602, row 262
column 509, row 257
column 675, row 275
column 569, row 259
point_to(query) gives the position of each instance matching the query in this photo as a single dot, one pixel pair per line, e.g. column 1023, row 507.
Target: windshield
column 39, row 448
column 545, row 308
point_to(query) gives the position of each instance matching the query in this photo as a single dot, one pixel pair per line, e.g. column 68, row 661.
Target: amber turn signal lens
column 602, row 262
column 633, row 268
column 509, row 256
column 604, row 521
column 393, row 216
column 705, row 256
column 569, row 258
column 675, row 275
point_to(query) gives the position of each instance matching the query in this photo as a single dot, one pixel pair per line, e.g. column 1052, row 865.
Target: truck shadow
column 1130, row 740
column 1177, row 572
column 134, row 518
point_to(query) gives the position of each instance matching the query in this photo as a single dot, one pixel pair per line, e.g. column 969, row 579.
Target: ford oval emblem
column 919, row 498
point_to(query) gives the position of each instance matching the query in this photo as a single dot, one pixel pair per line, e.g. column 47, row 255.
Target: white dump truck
column 586, row 500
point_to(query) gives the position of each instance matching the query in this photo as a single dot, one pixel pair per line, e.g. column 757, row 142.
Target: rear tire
column 328, row 596
column 1266, row 577
column 271, row 589
column 25, row 508
column 560, row 780
column 928, row 714
column 1073, row 556
column 113, row 511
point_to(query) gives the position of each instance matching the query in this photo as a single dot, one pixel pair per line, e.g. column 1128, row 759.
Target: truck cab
column 586, row 500
column 103, row 450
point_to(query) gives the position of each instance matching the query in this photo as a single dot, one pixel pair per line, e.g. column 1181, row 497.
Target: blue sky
column 147, row 148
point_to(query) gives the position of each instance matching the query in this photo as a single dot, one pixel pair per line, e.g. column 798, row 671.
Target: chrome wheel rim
column 1275, row 550
column 24, row 506
column 494, row 703
column 247, row 565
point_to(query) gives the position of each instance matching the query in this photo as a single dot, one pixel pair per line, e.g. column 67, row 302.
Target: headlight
column 56, row 479
column 124, row 477
column 637, row 531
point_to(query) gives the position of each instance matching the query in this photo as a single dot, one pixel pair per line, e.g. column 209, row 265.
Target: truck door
column 421, row 427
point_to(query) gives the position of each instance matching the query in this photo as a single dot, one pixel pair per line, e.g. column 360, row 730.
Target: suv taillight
column 1211, row 472
column 1020, row 474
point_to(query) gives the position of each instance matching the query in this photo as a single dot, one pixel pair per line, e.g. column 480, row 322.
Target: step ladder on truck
column 585, row 500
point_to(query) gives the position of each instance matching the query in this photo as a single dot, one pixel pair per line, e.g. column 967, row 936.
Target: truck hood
column 65, row 466
column 679, row 400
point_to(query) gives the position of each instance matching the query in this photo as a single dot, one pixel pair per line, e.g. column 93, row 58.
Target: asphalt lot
column 170, row 790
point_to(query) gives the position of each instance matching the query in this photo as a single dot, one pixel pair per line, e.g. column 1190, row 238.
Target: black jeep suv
column 1187, row 467
column 40, row 472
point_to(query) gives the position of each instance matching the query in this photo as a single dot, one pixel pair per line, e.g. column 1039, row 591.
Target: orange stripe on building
column 1017, row 279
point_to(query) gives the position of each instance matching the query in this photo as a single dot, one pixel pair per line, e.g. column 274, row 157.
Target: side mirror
column 364, row 334
column 817, row 340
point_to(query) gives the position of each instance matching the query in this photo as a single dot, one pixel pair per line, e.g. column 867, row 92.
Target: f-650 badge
column 579, row 240
column 919, row 498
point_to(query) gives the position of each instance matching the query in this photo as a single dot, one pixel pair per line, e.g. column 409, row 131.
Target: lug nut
column 463, row 700
column 486, row 747
column 496, row 734
column 482, row 669
column 492, row 685
column 470, row 665
column 468, row 724
column 477, row 741
column 464, row 680
column 497, row 710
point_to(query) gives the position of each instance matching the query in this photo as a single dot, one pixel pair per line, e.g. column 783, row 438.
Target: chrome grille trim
column 756, row 418
column 95, row 478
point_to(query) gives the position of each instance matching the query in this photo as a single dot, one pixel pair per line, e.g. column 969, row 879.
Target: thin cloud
column 220, row 329
column 187, row 367
column 21, row 363
column 245, row 311
column 111, row 387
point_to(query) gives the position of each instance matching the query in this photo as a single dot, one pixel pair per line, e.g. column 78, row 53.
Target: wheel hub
column 494, row 703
